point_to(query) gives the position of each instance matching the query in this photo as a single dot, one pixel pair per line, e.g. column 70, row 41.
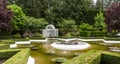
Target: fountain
column 67, row 44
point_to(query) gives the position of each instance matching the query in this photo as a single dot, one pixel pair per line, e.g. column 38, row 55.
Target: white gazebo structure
column 50, row 31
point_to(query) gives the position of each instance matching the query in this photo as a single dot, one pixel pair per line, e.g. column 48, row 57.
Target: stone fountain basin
column 79, row 46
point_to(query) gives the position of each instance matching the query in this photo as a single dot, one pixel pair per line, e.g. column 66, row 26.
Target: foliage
column 110, row 58
column 21, row 56
column 89, row 16
column 99, row 21
column 59, row 59
column 85, row 33
column 86, row 27
column 36, row 24
column 93, row 33
column 4, row 46
column 98, row 33
column 68, row 35
column 37, row 35
column 16, row 35
column 55, row 10
column 95, row 57
column 19, row 17
column 67, row 25
column 112, row 17
column 5, row 15
column 7, row 53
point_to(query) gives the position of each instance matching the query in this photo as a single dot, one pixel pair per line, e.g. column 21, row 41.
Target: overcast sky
column 95, row 1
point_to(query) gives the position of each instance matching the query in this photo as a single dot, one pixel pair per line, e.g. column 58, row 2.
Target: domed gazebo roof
column 50, row 27
column 50, row 31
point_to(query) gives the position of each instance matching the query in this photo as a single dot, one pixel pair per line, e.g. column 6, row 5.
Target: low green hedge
column 7, row 53
column 4, row 46
column 21, row 57
column 93, row 33
column 92, row 57
column 16, row 56
column 110, row 58
column 95, row 57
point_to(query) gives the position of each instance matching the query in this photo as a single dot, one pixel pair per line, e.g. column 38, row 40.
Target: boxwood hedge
column 96, row 57
column 16, row 56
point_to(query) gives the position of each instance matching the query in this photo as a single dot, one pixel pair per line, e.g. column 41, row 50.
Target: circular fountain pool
column 70, row 45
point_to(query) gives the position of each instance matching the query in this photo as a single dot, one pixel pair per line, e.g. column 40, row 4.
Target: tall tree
column 99, row 21
column 5, row 15
column 99, row 5
column 54, row 10
column 19, row 18
column 112, row 17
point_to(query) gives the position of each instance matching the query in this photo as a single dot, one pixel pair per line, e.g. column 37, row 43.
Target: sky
column 95, row 1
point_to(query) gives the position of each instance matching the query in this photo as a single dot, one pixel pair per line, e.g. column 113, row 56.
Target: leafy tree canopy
column 112, row 17
column 35, row 23
column 5, row 15
column 19, row 17
column 99, row 21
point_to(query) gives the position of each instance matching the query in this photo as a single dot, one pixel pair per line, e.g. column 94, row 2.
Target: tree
column 112, row 17
column 56, row 10
column 99, row 21
column 35, row 23
column 67, row 25
column 86, row 27
column 19, row 18
column 5, row 15
column 99, row 5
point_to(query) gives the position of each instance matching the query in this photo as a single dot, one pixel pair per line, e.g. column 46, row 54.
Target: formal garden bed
column 23, row 20
column 96, row 57
column 14, row 56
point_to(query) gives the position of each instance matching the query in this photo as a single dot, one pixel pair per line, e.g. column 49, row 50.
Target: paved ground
column 2, row 60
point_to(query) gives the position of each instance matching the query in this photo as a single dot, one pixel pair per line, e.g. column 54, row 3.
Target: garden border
column 95, row 57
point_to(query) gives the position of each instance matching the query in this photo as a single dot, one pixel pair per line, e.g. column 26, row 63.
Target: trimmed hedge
column 110, row 58
column 7, row 53
column 92, row 57
column 21, row 57
column 93, row 33
column 95, row 57
column 4, row 46
column 15, row 56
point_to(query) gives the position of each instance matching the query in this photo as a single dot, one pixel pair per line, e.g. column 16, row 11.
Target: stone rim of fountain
column 67, row 45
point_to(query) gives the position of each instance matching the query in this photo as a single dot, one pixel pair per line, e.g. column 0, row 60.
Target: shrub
column 85, row 33
column 86, row 27
column 98, row 33
column 17, row 35
column 99, row 21
column 95, row 57
column 37, row 35
column 68, row 35
column 59, row 59
column 20, row 57
column 4, row 46
column 93, row 33
column 7, row 53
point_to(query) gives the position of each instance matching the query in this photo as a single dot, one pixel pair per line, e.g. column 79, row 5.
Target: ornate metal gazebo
column 50, row 31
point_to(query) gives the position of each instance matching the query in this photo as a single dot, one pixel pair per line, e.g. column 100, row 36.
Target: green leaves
column 36, row 24
column 99, row 21
column 86, row 27
column 19, row 17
